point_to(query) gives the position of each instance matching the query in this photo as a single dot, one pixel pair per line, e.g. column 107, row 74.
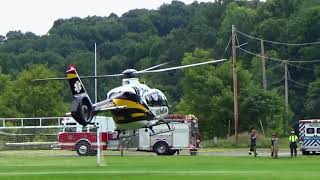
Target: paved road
column 263, row 152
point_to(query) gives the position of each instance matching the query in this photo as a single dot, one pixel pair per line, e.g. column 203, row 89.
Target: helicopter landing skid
column 123, row 137
column 160, row 132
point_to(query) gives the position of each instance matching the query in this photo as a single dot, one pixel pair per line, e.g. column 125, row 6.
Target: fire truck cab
column 83, row 139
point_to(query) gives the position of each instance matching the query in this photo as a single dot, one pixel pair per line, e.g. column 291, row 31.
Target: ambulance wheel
column 161, row 148
column 83, row 148
column 305, row 152
column 193, row 152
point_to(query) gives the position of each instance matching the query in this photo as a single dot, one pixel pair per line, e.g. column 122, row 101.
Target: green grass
column 38, row 165
column 244, row 142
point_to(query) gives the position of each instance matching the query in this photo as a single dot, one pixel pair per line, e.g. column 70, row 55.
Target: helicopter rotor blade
column 81, row 77
column 148, row 70
column 181, row 67
column 48, row 79
column 101, row 76
column 153, row 67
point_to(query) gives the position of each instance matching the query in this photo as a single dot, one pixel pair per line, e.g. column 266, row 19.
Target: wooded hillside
column 179, row 34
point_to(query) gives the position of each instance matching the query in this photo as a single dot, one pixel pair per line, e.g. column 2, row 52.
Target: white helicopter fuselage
column 143, row 106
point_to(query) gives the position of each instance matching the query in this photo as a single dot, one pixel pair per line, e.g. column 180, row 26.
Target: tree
column 34, row 99
column 312, row 103
column 207, row 93
column 6, row 94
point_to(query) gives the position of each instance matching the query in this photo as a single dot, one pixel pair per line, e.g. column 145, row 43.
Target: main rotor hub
column 129, row 73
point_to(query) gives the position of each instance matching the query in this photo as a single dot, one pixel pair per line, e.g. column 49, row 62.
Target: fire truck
column 83, row 139
column 184, row 135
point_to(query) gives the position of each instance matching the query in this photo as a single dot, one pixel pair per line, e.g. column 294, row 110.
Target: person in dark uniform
column 293, row 143
column 253, row 138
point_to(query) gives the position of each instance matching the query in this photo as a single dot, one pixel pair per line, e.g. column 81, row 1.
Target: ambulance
column 309, row 134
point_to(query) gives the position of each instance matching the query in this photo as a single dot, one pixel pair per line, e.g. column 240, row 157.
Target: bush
column 243, row 142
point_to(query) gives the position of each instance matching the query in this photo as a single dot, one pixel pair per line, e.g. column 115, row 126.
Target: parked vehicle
column 309, row 134
column 83, row 139
column 183, row 136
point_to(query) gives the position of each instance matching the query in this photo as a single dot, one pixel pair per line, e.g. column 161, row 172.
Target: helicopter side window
column 125, row 82
column 161, row 101
column 155, row 97
column 111, row 95
column 148, row 99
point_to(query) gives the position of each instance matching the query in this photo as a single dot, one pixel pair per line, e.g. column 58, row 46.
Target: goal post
column 100, row 156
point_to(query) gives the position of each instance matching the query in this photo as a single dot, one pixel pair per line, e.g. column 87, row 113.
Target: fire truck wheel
column 83, row 148
column 161, row 148
column 93, row 152
column 171, row 152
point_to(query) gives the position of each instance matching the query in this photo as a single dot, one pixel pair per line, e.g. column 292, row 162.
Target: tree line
column 179, row 34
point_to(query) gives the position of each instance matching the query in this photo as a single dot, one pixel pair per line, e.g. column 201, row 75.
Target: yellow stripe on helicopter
column 137, row 115
column 129, row 104
column 71, row 75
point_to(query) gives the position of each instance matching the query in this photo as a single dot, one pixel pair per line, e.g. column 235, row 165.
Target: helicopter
column 133, row 105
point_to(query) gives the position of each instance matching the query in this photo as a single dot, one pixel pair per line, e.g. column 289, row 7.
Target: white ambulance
column 309, row 134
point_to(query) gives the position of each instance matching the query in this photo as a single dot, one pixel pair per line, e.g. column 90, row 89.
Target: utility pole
column 95, row 74
column 235, row 83
column 264, row 77
column 286, row 84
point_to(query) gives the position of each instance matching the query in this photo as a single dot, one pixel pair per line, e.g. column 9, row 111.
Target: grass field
column 29, row 165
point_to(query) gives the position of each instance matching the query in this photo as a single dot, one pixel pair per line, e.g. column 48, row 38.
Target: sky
column 38, row 16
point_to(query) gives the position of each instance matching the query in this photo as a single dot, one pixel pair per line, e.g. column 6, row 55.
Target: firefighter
column 253, row 138
column 293, row 143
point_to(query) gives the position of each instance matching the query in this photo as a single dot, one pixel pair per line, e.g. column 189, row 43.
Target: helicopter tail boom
column 82, row 109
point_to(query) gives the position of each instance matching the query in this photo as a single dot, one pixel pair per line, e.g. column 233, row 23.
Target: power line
column 249, row 52
column 225, row 50
column 311, row 61
column 281, row 43
column 299, row 67
column 274, row 67
column 299, row 83
column 276, row 59
column 276, row 82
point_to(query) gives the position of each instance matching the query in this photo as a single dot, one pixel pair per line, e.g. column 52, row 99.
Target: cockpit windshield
column 156, row 98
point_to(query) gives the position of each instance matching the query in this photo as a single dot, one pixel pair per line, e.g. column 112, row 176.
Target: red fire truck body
column 74, row 136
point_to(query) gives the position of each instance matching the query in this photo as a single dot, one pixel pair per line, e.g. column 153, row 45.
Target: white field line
column 144, row 172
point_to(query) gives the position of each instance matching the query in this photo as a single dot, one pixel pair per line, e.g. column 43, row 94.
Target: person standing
column 274, row 145
column 293, row 143
column 253, row 140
